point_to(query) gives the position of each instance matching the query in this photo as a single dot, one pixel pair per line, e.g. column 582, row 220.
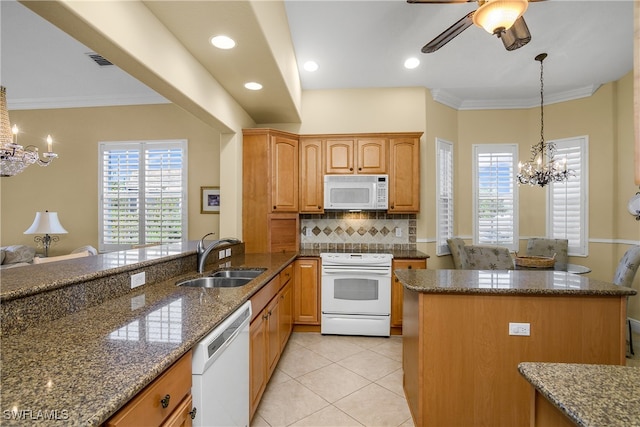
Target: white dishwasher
column 220, row 373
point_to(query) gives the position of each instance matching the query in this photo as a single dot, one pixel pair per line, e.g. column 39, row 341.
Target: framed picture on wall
column 210, row 200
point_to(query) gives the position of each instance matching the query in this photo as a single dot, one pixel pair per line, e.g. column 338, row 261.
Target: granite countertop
column 400, row 254
column 506, row 282
column 590, row 395
column 88, row 364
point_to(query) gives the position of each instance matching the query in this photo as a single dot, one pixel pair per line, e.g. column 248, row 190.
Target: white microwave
column 356, row 192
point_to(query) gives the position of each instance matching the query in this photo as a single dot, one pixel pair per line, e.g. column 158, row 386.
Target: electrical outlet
column 398, row 232
column 308, row 232
column 227, row 252
column 137, row 279
column 520, row 329
column 221, row 254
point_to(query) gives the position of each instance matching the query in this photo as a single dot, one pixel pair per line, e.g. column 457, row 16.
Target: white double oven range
column 356, row 294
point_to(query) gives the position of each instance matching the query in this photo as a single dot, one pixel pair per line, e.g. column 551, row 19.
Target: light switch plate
column 138, row 279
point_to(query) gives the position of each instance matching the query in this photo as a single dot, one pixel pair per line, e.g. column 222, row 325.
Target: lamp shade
column 499, row 15
column 46, row 223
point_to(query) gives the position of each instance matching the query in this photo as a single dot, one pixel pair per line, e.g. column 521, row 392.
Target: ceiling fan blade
column 447, row 35
column 444, row 1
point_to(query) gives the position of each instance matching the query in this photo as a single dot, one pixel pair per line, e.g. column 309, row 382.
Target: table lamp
column 46, row 223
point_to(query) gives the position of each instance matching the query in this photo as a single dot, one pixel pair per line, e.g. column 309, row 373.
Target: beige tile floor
column 336, row 381
column 342, row 381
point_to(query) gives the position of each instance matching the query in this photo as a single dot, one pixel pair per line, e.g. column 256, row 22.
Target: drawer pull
column 165, row 401
column 193, row 413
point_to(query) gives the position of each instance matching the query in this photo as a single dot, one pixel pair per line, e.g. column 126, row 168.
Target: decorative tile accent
column 358, row 231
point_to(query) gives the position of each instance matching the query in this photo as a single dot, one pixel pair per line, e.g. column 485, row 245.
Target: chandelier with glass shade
column 543, row 168
column 15, row 158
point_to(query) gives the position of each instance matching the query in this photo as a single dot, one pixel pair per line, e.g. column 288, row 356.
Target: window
column 142, row 193
column 494, row 195
column 444, row 198
column 567, row 201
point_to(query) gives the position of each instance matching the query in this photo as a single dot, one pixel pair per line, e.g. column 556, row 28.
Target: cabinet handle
column 319, row 207
column 410, row 267
column 165, row 401
column 269, row 313
column 281, row 296
column 274, row 208
column 351, row 169
column 265, row 316
column 193, row 413
column 359, row 169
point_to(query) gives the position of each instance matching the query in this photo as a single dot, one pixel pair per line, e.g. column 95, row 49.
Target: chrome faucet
column 202, row 252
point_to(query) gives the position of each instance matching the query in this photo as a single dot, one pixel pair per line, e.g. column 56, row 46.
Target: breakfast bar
column 466, row 331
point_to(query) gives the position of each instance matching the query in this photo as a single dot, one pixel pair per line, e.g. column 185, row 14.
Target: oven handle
column 381, row 271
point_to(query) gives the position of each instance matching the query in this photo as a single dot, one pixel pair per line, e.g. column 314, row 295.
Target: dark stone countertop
column 589, row 395
column 523, row 282
column 88, row 364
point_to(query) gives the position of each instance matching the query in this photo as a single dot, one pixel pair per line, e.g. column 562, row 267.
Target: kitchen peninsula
column 460, row 354
column 78, row 343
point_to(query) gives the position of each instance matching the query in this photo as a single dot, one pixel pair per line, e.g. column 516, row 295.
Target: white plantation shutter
column 142, row 193
column 567, row 201
column 495, row 195
column 444, row 200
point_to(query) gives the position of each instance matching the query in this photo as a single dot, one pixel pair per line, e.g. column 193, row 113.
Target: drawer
column 286, row 274
column 145, row 409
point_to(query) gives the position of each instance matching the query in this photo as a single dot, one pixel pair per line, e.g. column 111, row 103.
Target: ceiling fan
column 500, row 17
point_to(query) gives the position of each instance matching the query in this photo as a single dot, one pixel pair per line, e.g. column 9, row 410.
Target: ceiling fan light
column 516, row 36
column 499, row 15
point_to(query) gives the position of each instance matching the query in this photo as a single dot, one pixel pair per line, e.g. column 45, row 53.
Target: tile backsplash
column 344, row 231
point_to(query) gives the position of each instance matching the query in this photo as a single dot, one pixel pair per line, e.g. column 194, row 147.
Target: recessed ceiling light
column 411, row 63
column 253, row 86
column 223, row 42
column 310, row 66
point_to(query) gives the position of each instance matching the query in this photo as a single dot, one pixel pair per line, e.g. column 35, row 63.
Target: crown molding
column 83, row 102
column 450, row 100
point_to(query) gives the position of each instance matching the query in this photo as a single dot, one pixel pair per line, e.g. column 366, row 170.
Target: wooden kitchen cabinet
column 311, row 191
column 166, row 401
column 270, row 190
column 307, row 291
column 397, row 291
column 404, row 174
column 269, row 330
column 356, row 155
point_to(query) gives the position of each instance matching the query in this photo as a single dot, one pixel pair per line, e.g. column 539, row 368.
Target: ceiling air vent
column 99, row 59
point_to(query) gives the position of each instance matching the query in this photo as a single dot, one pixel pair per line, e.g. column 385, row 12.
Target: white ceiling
column 358, row 44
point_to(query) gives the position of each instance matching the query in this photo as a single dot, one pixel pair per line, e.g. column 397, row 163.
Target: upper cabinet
column 356, row 155
column 404, row 174
column 311, row 173
column 284, row 173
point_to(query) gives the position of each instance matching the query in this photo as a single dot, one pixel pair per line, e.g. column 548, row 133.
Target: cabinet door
column 181, row 417
column 273, row 335
column 311, row 176
column 258, row 360
column 284, row 174
column 306, row 292
column 404, row 175
column 285, row 313
column 372, row 156
column 397, row 291
column 339, row 156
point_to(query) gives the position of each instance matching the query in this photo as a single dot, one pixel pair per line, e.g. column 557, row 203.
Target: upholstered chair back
column 538, row 246
column 627, row 267
column 458, row 254
column 484, row 257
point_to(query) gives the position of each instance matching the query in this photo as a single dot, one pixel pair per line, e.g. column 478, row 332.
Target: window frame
column 442, row 248
column 142, row 147
column 582, row 143
column 512, row 150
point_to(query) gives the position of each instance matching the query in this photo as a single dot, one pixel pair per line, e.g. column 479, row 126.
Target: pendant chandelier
column 15, row 158
column 543, row 168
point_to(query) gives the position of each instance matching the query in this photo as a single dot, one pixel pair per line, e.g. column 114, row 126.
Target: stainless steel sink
column 215, row 282
column 248, row 273
column 223, row 279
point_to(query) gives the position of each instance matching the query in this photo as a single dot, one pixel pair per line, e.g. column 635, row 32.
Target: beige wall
column 69, row 185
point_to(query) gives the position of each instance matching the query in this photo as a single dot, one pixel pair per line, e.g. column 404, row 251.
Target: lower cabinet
column 269, row 331
column 397, row 292
column 306, row 307
column 164, row 402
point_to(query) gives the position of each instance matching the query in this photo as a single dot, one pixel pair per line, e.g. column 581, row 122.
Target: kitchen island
column 78, row 365
column 460, row 354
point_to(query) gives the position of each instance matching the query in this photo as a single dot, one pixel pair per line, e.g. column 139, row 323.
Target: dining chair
column 625, row 273
column 479, row 257
column 540, row 246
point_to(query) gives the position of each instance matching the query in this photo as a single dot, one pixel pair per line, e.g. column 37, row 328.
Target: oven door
column 356, row 292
